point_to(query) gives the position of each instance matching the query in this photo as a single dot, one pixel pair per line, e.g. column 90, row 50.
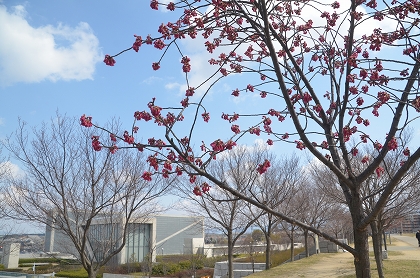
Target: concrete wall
column 212, row 250
column 329, row 247
column 167, row 237
column 110, row 275
column 11, row 255
column 239, row 269
column 171, row 231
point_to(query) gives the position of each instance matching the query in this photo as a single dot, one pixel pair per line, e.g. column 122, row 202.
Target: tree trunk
column 92, row 273
column 230, row 254
column 306, row 243
column 377, row 248
column 292, row 245
column 361, row 244
column 361, row 259
column 268, row 250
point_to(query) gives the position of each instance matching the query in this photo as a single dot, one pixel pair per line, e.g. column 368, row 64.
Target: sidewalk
column 411, row 242
column 406, row 246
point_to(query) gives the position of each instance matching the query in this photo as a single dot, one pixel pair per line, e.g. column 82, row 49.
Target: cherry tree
column 329, row 76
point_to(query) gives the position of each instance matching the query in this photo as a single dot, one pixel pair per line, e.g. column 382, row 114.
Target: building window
column 137, row 242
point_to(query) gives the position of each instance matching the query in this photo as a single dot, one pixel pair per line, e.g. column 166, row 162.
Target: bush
column 1, row 266
column 199, row 273
column 38, row 260
column 126, row 268
column 13, row 270
column 165, row 268
column 211, row 262
column 185, row 264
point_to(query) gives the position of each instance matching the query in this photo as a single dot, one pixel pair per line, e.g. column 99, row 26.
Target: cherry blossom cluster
column 200, row 190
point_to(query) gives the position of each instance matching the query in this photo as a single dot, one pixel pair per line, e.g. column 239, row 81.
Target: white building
column 158, row 235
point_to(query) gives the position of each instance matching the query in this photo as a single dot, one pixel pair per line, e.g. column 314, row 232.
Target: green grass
column 395, row 269
column 392, row 268
column 75, row 273
column 289, row 269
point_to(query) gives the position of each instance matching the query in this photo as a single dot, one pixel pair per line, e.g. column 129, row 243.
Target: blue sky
column 51, row 59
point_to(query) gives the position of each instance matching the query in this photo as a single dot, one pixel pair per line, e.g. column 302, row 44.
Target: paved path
column 411, row 243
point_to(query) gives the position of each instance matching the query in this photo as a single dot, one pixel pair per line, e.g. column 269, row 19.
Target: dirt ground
column 330, row 266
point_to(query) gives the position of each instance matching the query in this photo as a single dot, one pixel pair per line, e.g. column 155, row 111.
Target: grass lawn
column 335, row 265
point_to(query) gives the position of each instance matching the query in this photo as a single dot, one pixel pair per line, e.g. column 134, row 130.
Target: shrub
column 199, row 273
column 210, row 262
column 126, row 268
column 185, row 264
column 165, row 268
column 14, row 270
column 38, row 260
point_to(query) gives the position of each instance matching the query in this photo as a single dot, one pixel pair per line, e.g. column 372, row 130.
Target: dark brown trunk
column 361, row 236
column 230, row 254
column 268, row 251
column 92, row 273
column 377, row 247
column 292, row 245
column 361, row 259
column 306, row 243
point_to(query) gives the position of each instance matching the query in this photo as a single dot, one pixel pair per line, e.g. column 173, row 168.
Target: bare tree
column 339, row 222
column 229, row 214
column 317, row 208
column 273, row 188
column 93, row 199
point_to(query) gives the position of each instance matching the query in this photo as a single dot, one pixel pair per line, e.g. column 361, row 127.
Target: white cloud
column 12, row 169
column 29, row 54
column 1, row 121
column 172, row 85
column 152, row 79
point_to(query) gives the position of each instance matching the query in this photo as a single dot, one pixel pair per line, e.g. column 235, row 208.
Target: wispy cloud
column 33, row 54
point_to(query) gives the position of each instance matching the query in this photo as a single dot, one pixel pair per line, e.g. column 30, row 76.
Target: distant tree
column 339, row 222
column 257, row 235
column 227, row 213
column 91, row 197
column 317, row 208
column 6, row 228
column 273, row 188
